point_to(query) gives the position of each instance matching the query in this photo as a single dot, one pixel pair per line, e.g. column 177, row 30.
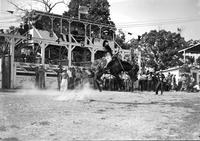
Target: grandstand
column 53, row 40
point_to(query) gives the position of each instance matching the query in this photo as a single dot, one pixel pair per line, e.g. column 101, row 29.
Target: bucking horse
column 115, row 67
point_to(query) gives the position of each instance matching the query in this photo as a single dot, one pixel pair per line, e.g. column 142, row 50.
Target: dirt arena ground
column 32, row 115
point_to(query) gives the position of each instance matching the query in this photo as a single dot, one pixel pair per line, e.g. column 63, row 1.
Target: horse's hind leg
column 97, row 82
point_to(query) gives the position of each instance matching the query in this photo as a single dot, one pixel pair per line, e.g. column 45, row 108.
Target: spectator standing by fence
column 41, row 77
column 78, row 77
column 174, row 85
column 142, row 82
column 149, row 81
column 159, row 86
column 36, row 77
column 184, row 82
column 69, row 72
column 64, row 81
column 59, row 75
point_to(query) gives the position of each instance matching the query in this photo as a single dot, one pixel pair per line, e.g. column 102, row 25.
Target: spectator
column 64, row 33
column 73, row 77
column 155, row 81
column 149, row 81
column 75, row 33
column 21, row 30
column 38, row 57
column 78, row 77
column 36, row 77
column 179, row 84
column 191, row 84
column 142, row 82
column 174, row 85
column 64, row 81
column 26, row 27
column 196, row 88
column 59, row 76
column 159, row 86
column 184, row 82
column 69, row 73
column 41, row 76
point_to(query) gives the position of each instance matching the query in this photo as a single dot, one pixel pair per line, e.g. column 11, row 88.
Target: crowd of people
column 76, row 77
column 187, row 83
column 73, row 77
column 67, row 77
column 150, row 81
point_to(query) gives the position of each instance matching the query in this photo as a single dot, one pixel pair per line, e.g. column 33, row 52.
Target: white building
column 193, row 51
column 174, row 71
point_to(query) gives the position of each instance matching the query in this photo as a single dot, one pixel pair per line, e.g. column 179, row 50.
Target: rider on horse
column 114, row 66
column 108, row 54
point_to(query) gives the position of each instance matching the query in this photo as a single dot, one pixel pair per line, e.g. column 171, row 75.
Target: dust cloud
column 80, row 93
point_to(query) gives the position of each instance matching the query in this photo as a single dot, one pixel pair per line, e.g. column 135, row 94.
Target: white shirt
column 108, row 58
column 69, row 73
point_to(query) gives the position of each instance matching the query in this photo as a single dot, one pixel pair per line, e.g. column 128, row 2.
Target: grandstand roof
column 43, row 34
column 192, row 49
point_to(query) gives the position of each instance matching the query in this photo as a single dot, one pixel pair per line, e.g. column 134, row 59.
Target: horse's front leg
column 98, row 81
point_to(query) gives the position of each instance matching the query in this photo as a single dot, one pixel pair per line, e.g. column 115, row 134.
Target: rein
column 121, row 64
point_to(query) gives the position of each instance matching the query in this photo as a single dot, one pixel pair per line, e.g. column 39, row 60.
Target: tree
column 24, row 8
column 160, row 49
column 121, row 40
column 193, row 42
column 4, row 42
column 98, row 10
column 48, row 5
column 74, row 7
column 189, row 60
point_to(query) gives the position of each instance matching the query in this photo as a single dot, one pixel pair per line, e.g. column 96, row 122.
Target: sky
column 140, row 16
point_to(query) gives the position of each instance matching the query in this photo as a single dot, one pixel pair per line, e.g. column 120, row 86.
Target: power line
column 186, row 18
column 163, row 21
column 8, row 21
column 155, row 23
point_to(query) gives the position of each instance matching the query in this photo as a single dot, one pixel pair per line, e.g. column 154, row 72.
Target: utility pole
column 139, row 54
column 139, row 60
